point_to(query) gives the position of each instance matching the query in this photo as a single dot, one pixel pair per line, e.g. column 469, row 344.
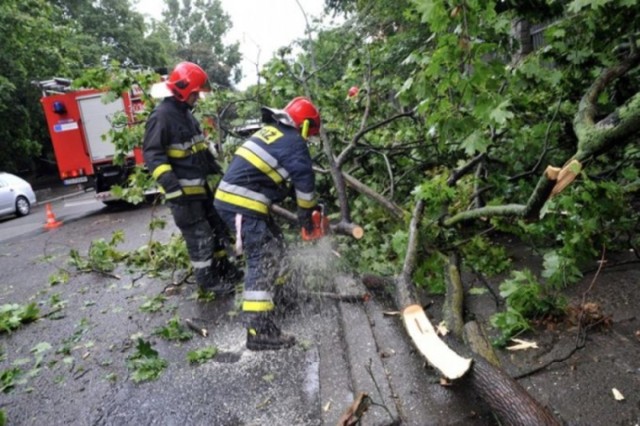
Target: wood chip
column 442, row 329
column 617, row 395
column 522, row 345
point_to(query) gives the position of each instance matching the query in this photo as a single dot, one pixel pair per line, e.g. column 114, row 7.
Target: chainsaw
column 320, row 225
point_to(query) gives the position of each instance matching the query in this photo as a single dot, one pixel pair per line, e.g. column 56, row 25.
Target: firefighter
column 257, row 177
column 180, row 161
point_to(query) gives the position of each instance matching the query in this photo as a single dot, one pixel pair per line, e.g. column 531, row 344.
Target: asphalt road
column 70, row 367
column 65, row 209
column 73, row 363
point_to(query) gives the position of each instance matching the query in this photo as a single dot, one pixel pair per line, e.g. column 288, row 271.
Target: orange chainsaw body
column 320, row 226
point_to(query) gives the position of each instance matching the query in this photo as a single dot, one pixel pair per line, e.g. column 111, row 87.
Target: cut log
column 438, row 354
column 506, row 397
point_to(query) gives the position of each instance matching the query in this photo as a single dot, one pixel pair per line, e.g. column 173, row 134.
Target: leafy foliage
column 153, row 304
column 174, row 331
column 13, row 315
column 200, row 356
column 155, row 256
column 525, row 298
column 9, row 378
column 60, row 277
column 102, row 255
column 486, row 256
column 198, row 29
column 145, row 364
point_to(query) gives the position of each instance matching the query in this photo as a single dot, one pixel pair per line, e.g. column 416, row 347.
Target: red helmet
column 301, row 109
column 187, row 78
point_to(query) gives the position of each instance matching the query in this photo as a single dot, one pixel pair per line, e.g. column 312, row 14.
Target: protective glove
column 214, row 166
column 304, row 219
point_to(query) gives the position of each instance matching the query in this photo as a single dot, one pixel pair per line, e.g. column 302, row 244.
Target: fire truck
column 78, row 123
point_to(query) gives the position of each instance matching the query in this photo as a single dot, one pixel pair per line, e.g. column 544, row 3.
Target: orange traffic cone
column 51, row 219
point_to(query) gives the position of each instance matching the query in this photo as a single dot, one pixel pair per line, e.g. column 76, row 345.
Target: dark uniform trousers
column 263, row 247
column 203, row 233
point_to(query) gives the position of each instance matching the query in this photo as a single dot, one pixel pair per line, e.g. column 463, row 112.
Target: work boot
column 224, row 270
column 220, row 288
column 267, row 336
column 225, row 278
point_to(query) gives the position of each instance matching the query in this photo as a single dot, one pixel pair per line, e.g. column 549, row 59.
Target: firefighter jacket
column 176, row 153
column 261, row 169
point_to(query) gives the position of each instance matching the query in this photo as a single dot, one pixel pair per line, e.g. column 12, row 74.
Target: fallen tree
column 506, row 398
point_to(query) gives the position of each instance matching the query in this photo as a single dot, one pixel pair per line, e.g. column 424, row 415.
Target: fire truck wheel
column 22, row 206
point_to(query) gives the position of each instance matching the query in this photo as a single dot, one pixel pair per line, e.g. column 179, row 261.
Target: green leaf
column 41, row 348
column 145, row 363
column 174, row 331
column 13, row 315
column 9, row 378
column 475, row 143
column 501, row 113
column 200, row 356
column 154, row 304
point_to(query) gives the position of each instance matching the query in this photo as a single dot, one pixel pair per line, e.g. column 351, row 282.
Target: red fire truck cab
column 78, row 123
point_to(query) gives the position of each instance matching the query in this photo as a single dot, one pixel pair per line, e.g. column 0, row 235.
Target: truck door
column 96, row 118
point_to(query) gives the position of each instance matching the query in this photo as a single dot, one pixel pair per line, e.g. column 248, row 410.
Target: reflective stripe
column 259, row 164
column 262, row 306
column 257, row 301
column 185, row 149
column 176, row 153
column 238, row 247
column 265, row 162
column 305, row 200
column 243, row 197
column 201, row 264
column 192, row 186
column 171, row 195
column 162, row 168
column 242, row 202
column 193, row 190
column 173, row 152
column 307, row 196
column 191, row 182
column 196, row 140
column 220, row 254
column 256, row 295
column 306, row 204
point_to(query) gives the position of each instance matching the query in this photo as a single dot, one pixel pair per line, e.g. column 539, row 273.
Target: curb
column 53, row 198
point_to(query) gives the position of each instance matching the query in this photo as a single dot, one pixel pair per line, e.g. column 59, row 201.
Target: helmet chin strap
column 305, row 129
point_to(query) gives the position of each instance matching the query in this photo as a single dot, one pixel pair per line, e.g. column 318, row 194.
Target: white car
column 16, row 195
